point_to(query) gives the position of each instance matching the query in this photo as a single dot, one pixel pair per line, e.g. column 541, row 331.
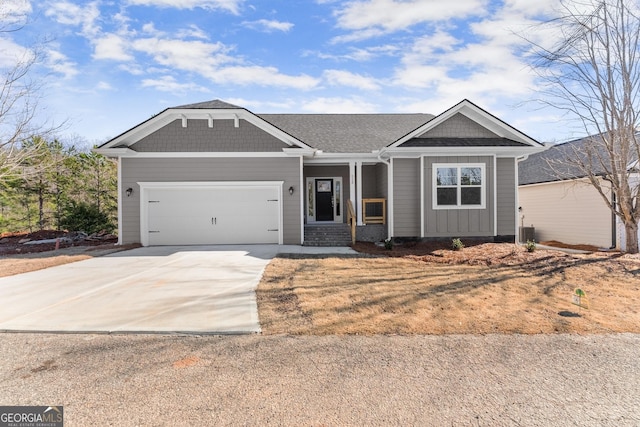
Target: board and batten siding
column 406, row 197
column 459, row 222
column 506, row 196
column 571, row 212
column 214, row 170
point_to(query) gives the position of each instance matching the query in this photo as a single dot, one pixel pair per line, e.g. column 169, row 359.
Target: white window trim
column 483, row 187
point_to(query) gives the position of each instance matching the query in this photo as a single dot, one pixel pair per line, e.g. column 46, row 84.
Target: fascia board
column 340, row 158
column 461, row 151
column 115, row 152
column 120, row 152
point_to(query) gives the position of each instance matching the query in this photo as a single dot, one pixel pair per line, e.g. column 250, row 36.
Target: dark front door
column 324, row 200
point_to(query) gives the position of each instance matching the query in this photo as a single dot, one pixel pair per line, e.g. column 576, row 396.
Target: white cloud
column 68, row 13
column 193, row 31
column 232, row 6
column 112, row 46
column 339, row 106
column 212, row 61
column 192, row 55
column 59, row 63
column 357, row 54
column 104, row 86
column 262, row 76
column 347, row 78
column 263, row 106
column 169, row 84
column 268, row 26
column 150, row 29
column 12, row 53
column 369, row 18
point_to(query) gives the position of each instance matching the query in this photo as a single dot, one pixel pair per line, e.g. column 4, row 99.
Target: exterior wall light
column 291, row 190
column 129, row 191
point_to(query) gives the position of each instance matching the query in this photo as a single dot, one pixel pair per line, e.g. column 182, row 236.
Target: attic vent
column 184, row 121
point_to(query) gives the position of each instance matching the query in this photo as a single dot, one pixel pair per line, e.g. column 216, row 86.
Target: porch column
column 359, row 193
column 352, row 184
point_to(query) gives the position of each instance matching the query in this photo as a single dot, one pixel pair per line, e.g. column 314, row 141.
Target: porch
column 344, row 203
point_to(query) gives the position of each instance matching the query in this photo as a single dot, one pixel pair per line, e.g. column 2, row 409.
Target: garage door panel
column 213, row 215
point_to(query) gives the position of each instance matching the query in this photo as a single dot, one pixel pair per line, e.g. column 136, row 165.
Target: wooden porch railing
column 374, row 211
column 351, row 220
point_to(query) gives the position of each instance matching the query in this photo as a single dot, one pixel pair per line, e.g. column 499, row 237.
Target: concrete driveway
column 191, row 289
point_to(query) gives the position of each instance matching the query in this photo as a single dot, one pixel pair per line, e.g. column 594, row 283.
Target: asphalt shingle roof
column 536, row 169
column 347, row 133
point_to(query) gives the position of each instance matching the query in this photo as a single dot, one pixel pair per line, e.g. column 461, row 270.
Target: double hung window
column 459, row 186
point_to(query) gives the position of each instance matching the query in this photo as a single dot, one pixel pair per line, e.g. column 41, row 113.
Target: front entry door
column 324, row 199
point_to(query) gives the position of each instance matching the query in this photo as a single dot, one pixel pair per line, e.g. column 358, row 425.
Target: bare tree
column 19, row 93
column 593, row 74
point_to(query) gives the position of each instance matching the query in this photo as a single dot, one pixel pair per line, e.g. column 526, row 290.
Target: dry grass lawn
column 493, row 288
column 24, row 263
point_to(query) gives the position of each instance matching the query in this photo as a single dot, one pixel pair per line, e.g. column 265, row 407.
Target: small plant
column 530, row 245
column 456, row 244
column 388, row 244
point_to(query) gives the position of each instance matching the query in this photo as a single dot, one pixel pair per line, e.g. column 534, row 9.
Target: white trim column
column 303, row 193
column 495, row 196
column 390, row 196
column 352, row 184
column 359, row 192
column 422, row 196
column 120, row 199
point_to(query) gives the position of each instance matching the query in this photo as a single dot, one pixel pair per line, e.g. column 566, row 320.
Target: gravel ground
column 496, row 380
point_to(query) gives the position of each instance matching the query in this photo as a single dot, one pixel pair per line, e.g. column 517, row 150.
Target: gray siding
column 406, row 197
column 199, row 137
column 459, row 126
column 506, row 196
column 369, row 182
column 210, row 169
column 382, row 180
column 458, row 222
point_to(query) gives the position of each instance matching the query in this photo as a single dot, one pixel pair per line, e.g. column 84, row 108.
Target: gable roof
column 478, row 115
column 214, row 104
column 347, row 133
column 339, row 134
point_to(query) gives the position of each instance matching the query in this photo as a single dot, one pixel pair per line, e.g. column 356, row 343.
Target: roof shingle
column 347, row 133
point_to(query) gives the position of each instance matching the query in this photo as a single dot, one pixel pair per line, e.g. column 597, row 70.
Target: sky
column 109, row 65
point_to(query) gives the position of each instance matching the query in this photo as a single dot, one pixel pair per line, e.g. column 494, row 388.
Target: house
column 216, row 173
column 557, row 200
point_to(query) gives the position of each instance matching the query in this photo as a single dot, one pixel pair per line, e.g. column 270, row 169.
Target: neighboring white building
column 567, row 209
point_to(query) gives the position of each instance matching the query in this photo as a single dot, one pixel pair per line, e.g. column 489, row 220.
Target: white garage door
column 211, row 213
